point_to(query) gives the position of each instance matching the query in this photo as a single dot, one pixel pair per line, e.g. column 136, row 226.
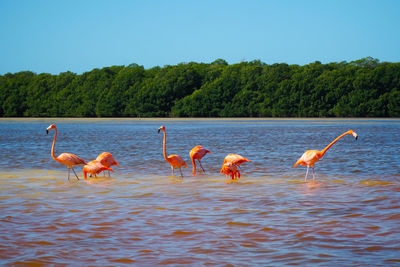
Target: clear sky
column 55, row 36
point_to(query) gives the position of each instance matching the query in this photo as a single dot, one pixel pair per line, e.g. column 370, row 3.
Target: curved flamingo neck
column 54, row 142
column 331, row 144
column 164, row 149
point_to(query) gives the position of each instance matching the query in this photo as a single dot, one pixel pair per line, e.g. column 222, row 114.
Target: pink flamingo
column 230, row 169
column 198, row 152
column 175, row 161
column 310, row 157
column 94, row 167
column 65, row 158
column 235, row 159
column 231, row 165
column 107, row 160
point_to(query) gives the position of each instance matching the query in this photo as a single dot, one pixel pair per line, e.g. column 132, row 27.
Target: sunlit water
column 143, row 216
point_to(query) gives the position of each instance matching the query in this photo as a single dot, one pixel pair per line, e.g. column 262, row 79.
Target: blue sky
column 57, row 36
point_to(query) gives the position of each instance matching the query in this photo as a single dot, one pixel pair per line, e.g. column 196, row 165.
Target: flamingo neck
column 54, row 142
column 194, row 165
column 331, row 144
column 164, row 150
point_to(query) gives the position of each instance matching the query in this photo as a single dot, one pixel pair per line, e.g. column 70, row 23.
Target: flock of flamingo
column 229, row 167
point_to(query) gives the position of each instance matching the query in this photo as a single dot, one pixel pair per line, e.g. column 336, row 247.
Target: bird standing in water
column 231, row 165
column 94, row 167
column 175, row 161
column 198, row 152
column 310, row 157
column 107, row 160
column 68, row 159
column 230, row 169
column 235, row 159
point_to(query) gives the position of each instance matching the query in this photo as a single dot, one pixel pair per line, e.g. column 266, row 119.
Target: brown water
column 143, row 216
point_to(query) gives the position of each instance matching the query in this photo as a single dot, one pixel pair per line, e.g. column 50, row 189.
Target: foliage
column 361, row 88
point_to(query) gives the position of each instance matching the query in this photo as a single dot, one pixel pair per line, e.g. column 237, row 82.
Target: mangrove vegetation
column 361, row 88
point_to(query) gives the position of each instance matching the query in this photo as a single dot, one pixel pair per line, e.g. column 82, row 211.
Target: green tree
column 363, row 88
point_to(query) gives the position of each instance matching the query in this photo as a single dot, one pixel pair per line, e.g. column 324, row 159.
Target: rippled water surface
column 143, row 216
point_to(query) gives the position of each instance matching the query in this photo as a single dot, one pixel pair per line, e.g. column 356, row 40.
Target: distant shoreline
column 358, row 89
column 225, row 119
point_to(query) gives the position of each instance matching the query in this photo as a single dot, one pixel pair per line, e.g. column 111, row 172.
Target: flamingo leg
column 68, row 173
column 172, row 170
column 74, row 173
column 181, row 172
column 313, row 174
column 305, row 178
column 201, row 166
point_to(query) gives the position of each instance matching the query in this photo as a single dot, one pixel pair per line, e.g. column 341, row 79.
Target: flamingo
column 65, row 158
column 198, row 152
column 230, row 169
column 107, row 160
column 94, row 167
column 176, row 161
column 235, row 159
column 310, row 157
column 231, row 165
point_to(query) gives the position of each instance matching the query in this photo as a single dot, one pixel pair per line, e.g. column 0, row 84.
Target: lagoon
column 144, row 216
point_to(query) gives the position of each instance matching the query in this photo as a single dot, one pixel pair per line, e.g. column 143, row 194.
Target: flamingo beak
column 355, row 135
column 159, row 130
column 48, row 129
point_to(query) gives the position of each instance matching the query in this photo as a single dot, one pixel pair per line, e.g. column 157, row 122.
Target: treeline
column 362, row 88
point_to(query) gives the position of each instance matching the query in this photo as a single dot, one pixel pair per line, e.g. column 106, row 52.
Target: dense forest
column 361, row 88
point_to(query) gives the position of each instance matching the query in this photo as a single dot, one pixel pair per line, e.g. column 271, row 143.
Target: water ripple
column 143, row 216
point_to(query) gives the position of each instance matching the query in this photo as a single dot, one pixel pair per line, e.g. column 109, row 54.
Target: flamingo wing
column 235, row 159
column 70, row 159
column 310, row 157
column 109, row 162
column 198, row 152
column 176, row 161
column 106, row 159
column 94, row 167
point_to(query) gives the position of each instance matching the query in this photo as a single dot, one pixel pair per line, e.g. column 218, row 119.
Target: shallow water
column 144, row 216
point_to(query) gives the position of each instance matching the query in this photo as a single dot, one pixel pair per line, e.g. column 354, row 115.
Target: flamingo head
column 354, row 134
column 52, row 126
column 162, row 128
